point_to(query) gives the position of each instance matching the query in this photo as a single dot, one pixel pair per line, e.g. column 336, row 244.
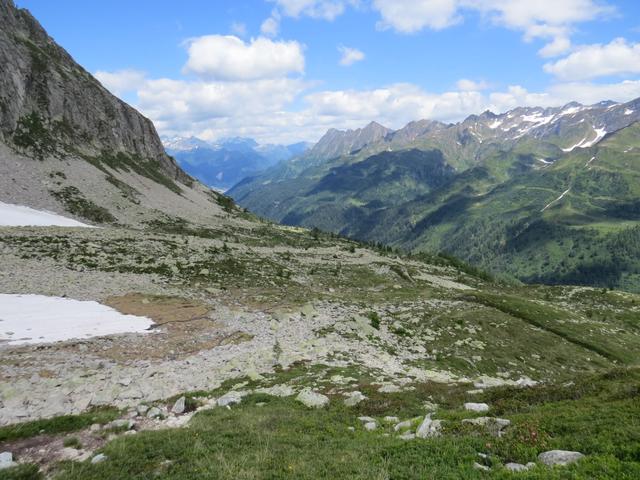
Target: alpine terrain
column 541, row 195
column 152, row 329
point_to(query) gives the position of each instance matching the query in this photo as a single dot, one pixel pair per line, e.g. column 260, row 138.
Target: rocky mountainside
column 185, row 338
column 70, row 146
column 479, row 209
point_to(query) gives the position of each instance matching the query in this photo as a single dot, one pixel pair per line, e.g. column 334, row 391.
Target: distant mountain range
column 224, row 163
column 542, row 194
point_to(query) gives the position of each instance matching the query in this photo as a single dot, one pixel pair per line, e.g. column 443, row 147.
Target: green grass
column 282, row 439
column 64, row 424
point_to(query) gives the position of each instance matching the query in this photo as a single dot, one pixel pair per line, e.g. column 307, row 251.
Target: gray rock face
column 39, row 76
column 312, row 399
column 559, row 457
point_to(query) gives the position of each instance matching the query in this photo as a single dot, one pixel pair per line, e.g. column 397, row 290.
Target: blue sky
column 286, row 70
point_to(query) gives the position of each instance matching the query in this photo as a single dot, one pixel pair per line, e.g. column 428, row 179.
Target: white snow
column 589, row 162
column 546, row 162
column 628, row 111
column 29, row 319
column 600, row 133
column 571, row 111
column 495, row 124
column 20, row 216
column 556, row 200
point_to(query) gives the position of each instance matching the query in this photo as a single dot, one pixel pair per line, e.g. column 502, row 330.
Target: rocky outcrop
column 50, row 105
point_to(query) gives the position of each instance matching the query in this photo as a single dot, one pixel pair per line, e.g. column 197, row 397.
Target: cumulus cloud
column 226, row 57
column 121, row 81
column 591, row 61
column 324, row 9
column 549, row 20
column 349, row 56
column 464, row 84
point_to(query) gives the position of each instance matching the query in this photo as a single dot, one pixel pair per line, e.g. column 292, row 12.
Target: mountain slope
column 509, row 168
column 68, row 145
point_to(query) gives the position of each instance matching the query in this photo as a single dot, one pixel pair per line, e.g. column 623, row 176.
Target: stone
column 518, row 467
column 277, row 390
column 389, row 388
column 366, row 419
column 231, row 398
column 407, row 436
column 559, row 457
column 370, row 426
column 101, row 457
column 122, row 423
column 403, row 425
column 312, row 399
column 6, row 460
column 477, row 466
column 354, row 398
column 390, row 419
column 142, row 409
column 429, row 428
column 476, row 407
column 154, row 412
column 494, row 425
column 180, row 406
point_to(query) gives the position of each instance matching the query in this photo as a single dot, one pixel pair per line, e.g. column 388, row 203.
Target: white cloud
column 239, row 28
column 270, row 26
column 591, row 61
column 324, row 9
column 409, row 16
column 229, row 58
column 350, row 55
column 550, row 20
column 466, row 85
column 121, row 81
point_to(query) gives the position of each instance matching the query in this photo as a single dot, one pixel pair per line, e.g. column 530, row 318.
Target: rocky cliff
column 50, row 104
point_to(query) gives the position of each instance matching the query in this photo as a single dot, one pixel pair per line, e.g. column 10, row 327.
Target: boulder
column 476, row 407
column 312, row 399
column 429, row 428
column 6, row 460
column 370, row 426
column 230, row 398
column 154, row 412
column 101, row 457
column 494, row 425
column 354, row 398
column 518, row 467
column 180, row 406
column 559, row 457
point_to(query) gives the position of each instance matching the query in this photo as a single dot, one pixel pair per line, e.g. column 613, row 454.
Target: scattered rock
column 142, row 409
column 354, row 398
column 559, row 457
column 477, row 466
column 390, row 419
column 154, row 412
column 389, row 388
column 312, row 399
column 370, row 426
column 429, row 428
column 494, row 425
column 366, row 419
column 407, row 436
column 180, row 406
column 518, row 467
column 101, row 457
column 476, row 407
column 6, row 460
column 122, row 423
column 277, row 390
column 230, row 398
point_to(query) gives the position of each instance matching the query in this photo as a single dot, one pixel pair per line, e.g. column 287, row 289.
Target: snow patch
column 20, row 216
column 556, row 200
column 495, row 124
column 600, row 133
column 628, row 111
column 29, row 319
column 546, row 162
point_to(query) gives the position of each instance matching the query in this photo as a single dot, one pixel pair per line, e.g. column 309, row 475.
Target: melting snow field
column 28, row 319
column 21, row 216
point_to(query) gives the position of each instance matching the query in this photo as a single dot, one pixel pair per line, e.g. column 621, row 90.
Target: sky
column 283, row 71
